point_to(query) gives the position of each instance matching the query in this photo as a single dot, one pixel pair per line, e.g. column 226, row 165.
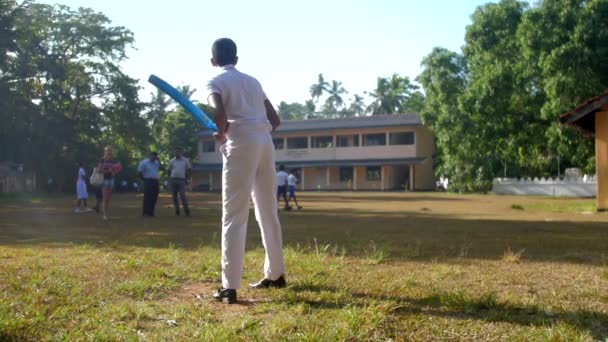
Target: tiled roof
column 375, row 121
column 583, row 116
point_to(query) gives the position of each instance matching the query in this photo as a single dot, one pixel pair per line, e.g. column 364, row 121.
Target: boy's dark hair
column 224, row 51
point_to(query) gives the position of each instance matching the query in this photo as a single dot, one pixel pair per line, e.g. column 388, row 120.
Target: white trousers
column 249, row 172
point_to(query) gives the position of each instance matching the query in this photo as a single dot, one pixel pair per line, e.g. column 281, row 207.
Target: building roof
column 583, row 116
column 375, row 121
column 328, row 163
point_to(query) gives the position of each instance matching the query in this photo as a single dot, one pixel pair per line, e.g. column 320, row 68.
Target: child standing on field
column 245, row 118
column 81, row 191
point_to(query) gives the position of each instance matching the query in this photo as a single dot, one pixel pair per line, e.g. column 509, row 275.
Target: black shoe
column 266, row 283
column 299, row 207
column 227, row 296
column 177, row 213
column 188, row 213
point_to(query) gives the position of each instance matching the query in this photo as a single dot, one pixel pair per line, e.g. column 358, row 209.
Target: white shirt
column 292, row 180
column 282, row 178
column 242, row 95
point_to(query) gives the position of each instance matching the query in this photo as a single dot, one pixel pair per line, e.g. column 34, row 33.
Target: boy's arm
column 220, row 118
column 271, row 114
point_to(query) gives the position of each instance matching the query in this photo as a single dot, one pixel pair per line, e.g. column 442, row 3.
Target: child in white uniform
column 245, row 118
column 81, row 191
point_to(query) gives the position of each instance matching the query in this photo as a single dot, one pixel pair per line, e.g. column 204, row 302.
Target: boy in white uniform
column 292, row 181
column 282, row 186
column 245, row 118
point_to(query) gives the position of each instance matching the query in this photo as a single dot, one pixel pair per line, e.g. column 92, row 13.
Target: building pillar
column 210, row 180
column 412, row 179
column 354, row 178
column 601, row 158
column 382, row 178
column 302, row 184
column 327, row 177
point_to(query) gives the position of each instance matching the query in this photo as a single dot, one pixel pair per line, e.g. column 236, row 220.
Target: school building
column 381, row 153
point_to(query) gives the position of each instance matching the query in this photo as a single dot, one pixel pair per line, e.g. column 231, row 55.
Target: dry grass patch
column 361, row 266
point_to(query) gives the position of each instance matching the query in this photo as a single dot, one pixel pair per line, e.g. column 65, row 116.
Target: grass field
column 361, row 266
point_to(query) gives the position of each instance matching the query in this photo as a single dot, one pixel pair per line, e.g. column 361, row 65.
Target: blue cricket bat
column 198, row 114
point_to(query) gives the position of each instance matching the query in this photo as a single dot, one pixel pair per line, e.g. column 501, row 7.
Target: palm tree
column 335, row 100
column 395, row 95
column 316, row 90
column 186, row 90
column 159, row 107
column 382, row 98
column 357, row 106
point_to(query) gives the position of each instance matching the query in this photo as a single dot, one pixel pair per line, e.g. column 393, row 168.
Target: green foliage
column 395, row 95
column 495, row 107
column 294, row 111
column 179, row 129
column 63, row 93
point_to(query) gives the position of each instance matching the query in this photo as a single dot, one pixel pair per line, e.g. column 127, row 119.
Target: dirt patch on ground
column 201, row 293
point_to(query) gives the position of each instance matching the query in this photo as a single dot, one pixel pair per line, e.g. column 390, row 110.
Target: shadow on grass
column 462, row 306
column 411, row 234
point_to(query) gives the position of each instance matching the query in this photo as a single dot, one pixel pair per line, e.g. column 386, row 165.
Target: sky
column 285, row 44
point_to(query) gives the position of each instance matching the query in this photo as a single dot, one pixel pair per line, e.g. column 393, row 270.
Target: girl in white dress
column 81, row 191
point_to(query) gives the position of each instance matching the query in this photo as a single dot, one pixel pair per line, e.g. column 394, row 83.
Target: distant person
column 98, row 197
column 135, row 186
column 149, row 172
column 124, row 186
column 166, row 185
column 245, row 118
column 179, row 172
column 97, row 188
column 292, row 181
column 282, row 186
column 81, row 191
column 109, row 167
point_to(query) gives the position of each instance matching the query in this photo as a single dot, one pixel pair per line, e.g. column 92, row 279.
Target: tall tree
column 335, row 91
column 64, row 92
column 292, row 111
column 187, row 90
column 495, row 107
column 317, row 89
column 396, row 94
column 357, row 106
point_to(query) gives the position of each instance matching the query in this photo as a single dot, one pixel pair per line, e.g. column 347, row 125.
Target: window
column 403, row 138
column 279, row 143
column 348, row 140
column 296, row 143
column 208, row 146
column 322, row 142
column 373, row 173
column 374, row 139
column 346, row 173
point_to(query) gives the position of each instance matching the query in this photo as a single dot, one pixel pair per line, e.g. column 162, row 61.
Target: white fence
column 585, row 186
column 18, row 183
